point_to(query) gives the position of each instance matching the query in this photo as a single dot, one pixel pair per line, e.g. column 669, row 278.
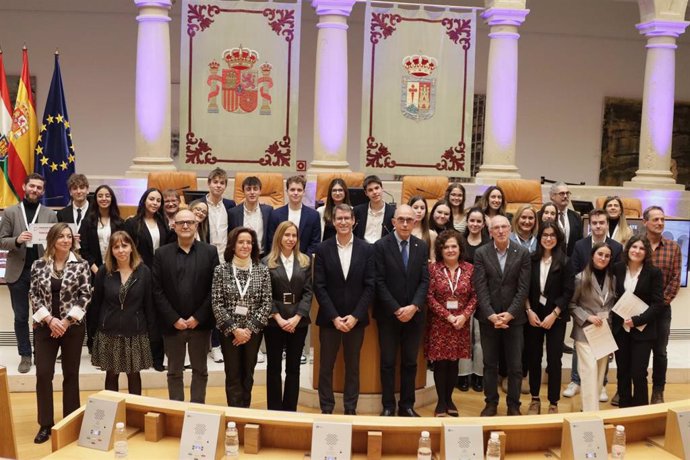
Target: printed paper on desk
column 600, row 339
column 630, row 305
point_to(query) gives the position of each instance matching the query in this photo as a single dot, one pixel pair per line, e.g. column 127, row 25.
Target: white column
column 330, row 88
column 152, row 94
column 656, row 131
column 501, row 92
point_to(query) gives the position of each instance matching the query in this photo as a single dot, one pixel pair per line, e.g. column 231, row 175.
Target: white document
column 600, row 339
column 39, row 233
column 630, row 305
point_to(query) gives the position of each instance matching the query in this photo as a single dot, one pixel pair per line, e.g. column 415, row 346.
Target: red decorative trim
column 453, row 159
column 198, row 151
column 282, row 22
column 459, row 31
column 378, row 155
column 200, row 18
column 382, row 26
column 280, row 151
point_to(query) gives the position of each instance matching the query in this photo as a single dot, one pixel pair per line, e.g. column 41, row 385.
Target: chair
column 272, row 189
column 631, row 206
column 432, row 188
column 323, row 180
column 176, row 180
column 520, row 191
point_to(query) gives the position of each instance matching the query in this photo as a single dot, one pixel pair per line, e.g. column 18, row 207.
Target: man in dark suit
column 218, row 210
column 568, row 220
column 252, row 214
column 74, row 213
column 375, row 218
column 182, row 276
column 15, row 237
column 402, row 281
column 501, row 279
column 306, row 219
column 344, row 286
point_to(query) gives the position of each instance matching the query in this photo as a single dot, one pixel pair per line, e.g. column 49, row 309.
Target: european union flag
column 54, row 151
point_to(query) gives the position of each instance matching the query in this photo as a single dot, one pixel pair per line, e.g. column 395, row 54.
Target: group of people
column 481, row 290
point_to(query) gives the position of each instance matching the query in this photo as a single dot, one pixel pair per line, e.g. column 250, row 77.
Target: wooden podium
column 369, row 363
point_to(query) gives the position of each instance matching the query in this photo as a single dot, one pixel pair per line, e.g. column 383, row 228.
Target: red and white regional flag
column 7, row 195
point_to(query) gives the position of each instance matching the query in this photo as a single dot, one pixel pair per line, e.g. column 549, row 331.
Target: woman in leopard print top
column 59, row 293
column 241, row 302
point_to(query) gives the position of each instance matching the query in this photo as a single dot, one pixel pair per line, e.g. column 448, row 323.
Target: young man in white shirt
column 74, row 213
column 252, row 214
column 374, row 219
column 218, row 209
column 306, row 219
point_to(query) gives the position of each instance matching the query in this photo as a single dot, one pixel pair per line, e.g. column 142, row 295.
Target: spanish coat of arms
column 418, row 89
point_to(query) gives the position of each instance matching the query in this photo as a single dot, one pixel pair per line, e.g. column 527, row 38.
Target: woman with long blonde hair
column 619, row 229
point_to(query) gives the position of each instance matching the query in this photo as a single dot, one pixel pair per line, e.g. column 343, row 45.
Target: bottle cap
column 119, row 425
column 494, row 435
column 425, row 434
column 620, row 428
column 231, row 424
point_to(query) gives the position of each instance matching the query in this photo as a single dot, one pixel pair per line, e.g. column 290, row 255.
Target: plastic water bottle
column 120, row 441
column 232, row 442
column 493, row 448
column 424, row 449
column 618, row 445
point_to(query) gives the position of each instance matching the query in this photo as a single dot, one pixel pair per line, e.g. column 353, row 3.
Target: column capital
column 651, row 10
column 337, row 7
column 505, row 16
column 662, row 28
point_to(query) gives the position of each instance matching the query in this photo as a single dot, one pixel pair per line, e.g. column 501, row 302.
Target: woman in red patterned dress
column 451, row 300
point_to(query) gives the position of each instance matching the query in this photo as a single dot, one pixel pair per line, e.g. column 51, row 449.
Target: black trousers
column 632, row 359
column 660, row 358
column 494, row 342
column 239, row 362
column 406, row 337
column 46, row 347
column 277, row 340
column 534, row 350
column 330, row 340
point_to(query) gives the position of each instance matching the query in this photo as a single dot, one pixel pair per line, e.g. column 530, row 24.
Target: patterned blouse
column 225, row 298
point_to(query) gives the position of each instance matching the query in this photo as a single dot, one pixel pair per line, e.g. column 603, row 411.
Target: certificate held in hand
column 630, row 305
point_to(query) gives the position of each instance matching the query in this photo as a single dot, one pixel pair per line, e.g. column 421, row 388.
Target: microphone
column 389, row 195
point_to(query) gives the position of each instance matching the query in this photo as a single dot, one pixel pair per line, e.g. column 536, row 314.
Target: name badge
column 542, row 300
column 452, row 304
column 288, row 298
column 241, row 310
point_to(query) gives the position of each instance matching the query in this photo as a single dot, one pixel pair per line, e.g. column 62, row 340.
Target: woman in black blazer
column 551, row 287
column 289, row 319
column 636, row 273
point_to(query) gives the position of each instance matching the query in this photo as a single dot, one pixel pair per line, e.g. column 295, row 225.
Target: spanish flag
column 24, row 137
column 7, row 195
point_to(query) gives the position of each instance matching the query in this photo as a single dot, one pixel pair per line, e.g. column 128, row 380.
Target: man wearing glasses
column 182, row 276
column 402, row 281
column 568, row 220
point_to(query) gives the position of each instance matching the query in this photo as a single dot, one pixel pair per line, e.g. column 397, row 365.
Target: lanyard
column 242, row 291
column 453, row 287
column 26, row 221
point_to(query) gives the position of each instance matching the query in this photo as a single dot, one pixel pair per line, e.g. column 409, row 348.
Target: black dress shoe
column 388, row 413
column 489, row 410
column 567, row 350
column 350, row 412
column 463, row 382
column 43, row 435
column 159, row 367
column 407, row 413
column 477, row 383
column 326, row 411
column 514, row 410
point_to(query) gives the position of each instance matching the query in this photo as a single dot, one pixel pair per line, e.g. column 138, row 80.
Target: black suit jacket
column 558, row 289
column 395, row 286
column 650, row 290
column 309, row 227
column 361, row 214
column 501, row 291
column 575, row 231
column 171, row 304
column 236, row 219
column 90, row 246
column 300, row 284
column 66, row 214
column 142, row 238
column 583, row 250
column 340, row 296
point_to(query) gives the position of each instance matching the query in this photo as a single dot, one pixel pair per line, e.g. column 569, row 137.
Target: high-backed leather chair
column 432, row 188
column 177, row 180
column 272, row 189
column 632, row 207
column 520, row 191
column 323, row 180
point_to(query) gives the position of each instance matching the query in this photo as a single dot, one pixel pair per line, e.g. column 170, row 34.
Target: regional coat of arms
column 241, row 83
column 418, row 89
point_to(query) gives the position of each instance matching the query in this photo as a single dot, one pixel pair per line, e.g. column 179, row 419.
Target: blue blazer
column 583, row 249
column 236, row 219
column 309, row 227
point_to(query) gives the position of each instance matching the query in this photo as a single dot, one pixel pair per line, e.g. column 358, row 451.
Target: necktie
column 78, row 216
column 405, row 252
column 561, row 218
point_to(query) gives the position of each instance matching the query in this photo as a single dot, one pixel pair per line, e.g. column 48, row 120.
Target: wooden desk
column 8, row 442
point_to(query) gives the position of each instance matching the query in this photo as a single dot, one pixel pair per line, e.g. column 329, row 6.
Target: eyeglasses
column 564, row 193
column 185, row 223
column 548, row 236
column 405, row 220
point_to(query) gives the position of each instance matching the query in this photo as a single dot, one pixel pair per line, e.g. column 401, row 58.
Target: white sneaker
column 216, row 355
column 572, row 389
column 260, row 358
column 603, row 396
